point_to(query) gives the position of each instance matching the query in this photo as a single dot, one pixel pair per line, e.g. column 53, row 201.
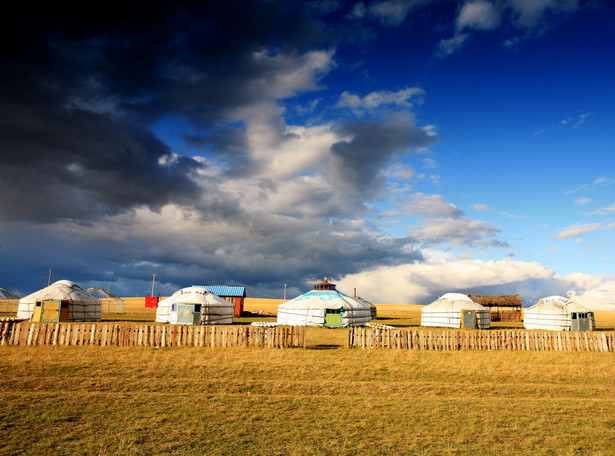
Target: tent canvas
column 556, row 313
column 324, row 306
column 81, row 306
column 448, row 312
column 211, row 309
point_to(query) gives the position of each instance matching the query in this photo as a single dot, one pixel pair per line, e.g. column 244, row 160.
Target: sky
column 405, row 148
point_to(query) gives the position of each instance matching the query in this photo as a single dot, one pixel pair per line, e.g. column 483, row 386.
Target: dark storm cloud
column 81, row 84
column 78, row 164
column 372, row 145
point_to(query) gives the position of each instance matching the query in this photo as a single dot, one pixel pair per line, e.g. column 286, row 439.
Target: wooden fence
column 481, row 340
column 145, row 335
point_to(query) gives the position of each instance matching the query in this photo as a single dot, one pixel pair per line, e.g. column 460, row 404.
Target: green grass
column 191, row 401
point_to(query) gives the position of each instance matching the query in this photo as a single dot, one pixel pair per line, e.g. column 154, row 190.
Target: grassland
column 189, row 401
column 323, row 400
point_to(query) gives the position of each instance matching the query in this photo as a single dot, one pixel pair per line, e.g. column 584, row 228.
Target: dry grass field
column 323, row 400
column 191, row 401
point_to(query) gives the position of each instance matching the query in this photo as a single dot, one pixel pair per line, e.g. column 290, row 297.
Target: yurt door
column 333, row 318
column 47, row 311
column 580, row 321
column 469, row 318
column 188, row 314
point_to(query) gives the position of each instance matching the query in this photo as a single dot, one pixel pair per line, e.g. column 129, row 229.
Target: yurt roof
column 194, row 295
column 497, row 301
column 5, row 294
column 455, row 300
column 61, row 290
column 324, row 299
column 556, row 304
column 101, row 293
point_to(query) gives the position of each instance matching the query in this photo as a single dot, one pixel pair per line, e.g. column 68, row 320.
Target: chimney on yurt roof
column 326, row 285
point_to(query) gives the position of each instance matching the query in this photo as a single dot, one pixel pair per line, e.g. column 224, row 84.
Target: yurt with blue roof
column 324, row 306
column 194, row 306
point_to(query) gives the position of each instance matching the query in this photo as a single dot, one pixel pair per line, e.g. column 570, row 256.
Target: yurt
column 194, row 306
column 110, row 302
column 456, row 310
column 557, row 313
column 61, row 301
column 324, row 306
column 9, row 302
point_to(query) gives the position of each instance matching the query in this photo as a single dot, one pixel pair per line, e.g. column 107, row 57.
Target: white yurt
column 324, row 306
column 194, row 306
column 61, row 301
column 557, row 313
column 9, row 302
column 110, row 302
column 456, row 310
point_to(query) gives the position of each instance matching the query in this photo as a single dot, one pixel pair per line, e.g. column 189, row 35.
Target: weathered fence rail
column 145, row 335
column 408, row 339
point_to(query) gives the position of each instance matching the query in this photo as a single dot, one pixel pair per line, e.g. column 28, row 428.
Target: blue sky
column 406, row 148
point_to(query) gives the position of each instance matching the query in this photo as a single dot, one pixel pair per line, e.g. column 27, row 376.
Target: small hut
column 557, row 313
column 502, row 308
column 455, row 310
column 324, row 306
column 110, row 302
column 61, row 301
column 372, row 308
column 194, row 306
column 232, row 293
column 9, row 302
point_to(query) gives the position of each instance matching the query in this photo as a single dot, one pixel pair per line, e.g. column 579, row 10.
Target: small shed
column 110, row 303
column 556, row 313
column 324, row 306
column 9, row 302
column 194, row 306
column 61, row 301
column 502, row 308
column 234, row 294
column 455, row 310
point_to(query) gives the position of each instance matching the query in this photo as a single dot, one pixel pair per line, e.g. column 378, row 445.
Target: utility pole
column 49, row 279
column 284, row 292
column 153, row 282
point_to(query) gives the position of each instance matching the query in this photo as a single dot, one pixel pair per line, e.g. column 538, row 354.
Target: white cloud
column 531, row 14
column 377, row 100
column 422, row 283
column 582, row 201
column 457, row 231
column 480, row 15
column 481, row 207
column 394, row 12
column 430, row 205
column 577, row 230
column 429, row 163
column 604, row 210
column 449, row 46
column 600, row 182
column 575, row 122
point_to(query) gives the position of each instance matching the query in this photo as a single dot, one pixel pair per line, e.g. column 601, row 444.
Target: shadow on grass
column 324, row 347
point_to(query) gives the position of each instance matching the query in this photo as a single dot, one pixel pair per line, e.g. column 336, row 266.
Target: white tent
column 195, row 305
column 456, row 310
column 110, row 302
column 61, row 294
column 557, row 313
column 324, row 306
